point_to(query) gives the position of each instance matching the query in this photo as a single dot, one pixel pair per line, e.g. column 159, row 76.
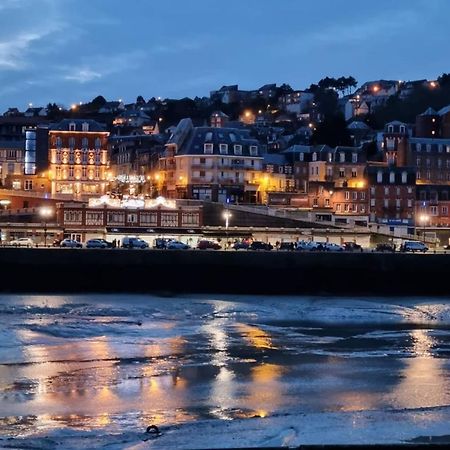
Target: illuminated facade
column 130, row 216
column 78, row 157
column 216, row 164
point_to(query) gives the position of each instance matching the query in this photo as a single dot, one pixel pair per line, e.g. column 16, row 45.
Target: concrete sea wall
column 243, row 272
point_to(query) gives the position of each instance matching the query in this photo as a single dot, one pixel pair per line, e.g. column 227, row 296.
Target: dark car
column 352, row 247
column 385, row 248
column 259, row 245
column 208, row 245
column 241, row 245
column 107, row 243
column 161, row 243
column 286, row 246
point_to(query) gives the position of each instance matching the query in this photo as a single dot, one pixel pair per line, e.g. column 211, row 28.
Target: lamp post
column 424, row 218
column 45, row 212
column 227, row 215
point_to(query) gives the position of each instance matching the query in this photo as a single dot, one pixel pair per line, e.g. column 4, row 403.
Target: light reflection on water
column 174, row 361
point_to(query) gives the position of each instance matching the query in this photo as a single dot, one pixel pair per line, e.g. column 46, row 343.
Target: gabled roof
column 429, row 112
column 358, row 125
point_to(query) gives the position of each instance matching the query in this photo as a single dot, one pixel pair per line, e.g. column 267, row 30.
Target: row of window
column 438, row 175
column 84, row 143
column 330, row 157
column 70, row 172
column 354, row 195
column 387, row 191
column 427, row 147
column 223, row 149
column 387, row 203
column 168, row 219
column 11, row 154
column 404, row 177
column 429, row 162
column 354, row 207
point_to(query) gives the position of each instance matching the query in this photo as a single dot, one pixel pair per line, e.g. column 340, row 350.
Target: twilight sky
column 72, row 50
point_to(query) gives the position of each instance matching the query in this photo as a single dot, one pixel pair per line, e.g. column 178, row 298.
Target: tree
column 98, row 102
column 140, row 100
column 332, row 131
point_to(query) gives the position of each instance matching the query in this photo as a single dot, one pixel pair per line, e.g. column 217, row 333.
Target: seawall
column 243, row 272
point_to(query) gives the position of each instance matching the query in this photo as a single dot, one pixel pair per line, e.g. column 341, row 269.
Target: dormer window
column 402, row 129
column 253, row 150
column 314, row 156
column 302, row 156
column 72, row 126
column 208, row 136
column 330, row 157
column 223, row 148
column 354, row 157
column 85, row 126
column 428, row 147
column 238, row 149
column 208, row 148
column 390, row 128
column 342, row 157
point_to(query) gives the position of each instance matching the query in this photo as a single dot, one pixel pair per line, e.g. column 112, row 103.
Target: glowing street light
column 423, row 219
column 45, row 212
column 227, row 216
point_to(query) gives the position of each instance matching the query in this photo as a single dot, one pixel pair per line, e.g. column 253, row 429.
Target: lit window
column 391, row 177
column 72, row 126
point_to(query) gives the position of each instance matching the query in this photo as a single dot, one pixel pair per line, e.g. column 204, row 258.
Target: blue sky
column 72, row 50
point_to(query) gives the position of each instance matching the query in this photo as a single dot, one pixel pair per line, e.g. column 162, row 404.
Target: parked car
column 108, row 244
column 286, row 246
column 134, row 242
column 161, row 243
column 208, row 245
column 314, row 246
column 177, row 245
column 303, row 245
column 385, row 247
column 22, row 242
column 70, row 243
column 413, row 246
column 352, row 247
column 241, row 245
column 259, row 245
column 331, row 247
column 96, row 243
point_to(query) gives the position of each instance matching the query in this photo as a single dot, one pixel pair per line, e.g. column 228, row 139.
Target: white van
column 414, row 246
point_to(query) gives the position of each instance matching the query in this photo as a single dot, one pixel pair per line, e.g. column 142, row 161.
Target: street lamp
column 45, row 212
column 227, row 215
column 423, row 219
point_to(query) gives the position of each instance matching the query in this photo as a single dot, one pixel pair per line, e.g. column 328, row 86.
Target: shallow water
column 115, row 364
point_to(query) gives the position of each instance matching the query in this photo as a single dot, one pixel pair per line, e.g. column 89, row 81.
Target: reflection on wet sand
column 424, row 380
